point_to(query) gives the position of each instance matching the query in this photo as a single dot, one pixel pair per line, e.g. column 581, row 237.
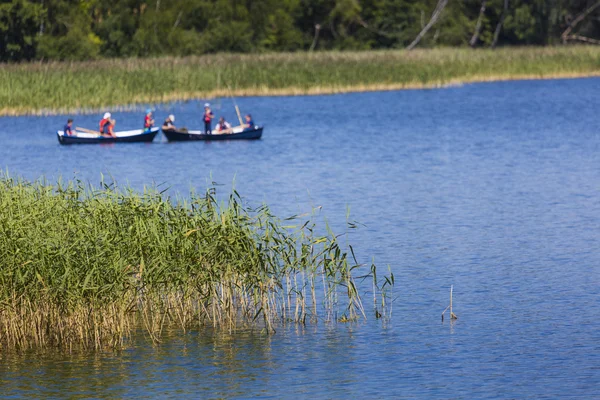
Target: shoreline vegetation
column 85, row 267
column 84, row 87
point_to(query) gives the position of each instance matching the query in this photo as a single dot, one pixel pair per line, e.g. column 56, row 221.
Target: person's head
column 70, row 121
column 248, row 117
column 106, row 115
column 149, row 112
column 172, row 118
column 206, row 106
column 221, row 119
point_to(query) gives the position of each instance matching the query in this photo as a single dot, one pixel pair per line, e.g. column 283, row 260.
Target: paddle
column 237, row 110
column 87, row 131
column 77, row 128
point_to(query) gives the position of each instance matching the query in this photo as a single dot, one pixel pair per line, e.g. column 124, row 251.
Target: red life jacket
column 207, row 118
column 104, row 125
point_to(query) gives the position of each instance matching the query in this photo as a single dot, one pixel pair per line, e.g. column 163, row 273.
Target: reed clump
column 85, row 267
column 67, row 87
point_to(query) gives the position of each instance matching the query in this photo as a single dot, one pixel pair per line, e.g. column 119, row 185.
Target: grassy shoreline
column 84, row 87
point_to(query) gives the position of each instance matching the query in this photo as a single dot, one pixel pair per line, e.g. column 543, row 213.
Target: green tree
column 68, row 32
column 21, row 22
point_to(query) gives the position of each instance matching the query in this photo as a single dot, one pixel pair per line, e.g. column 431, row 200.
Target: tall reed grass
column 66, row 87
column 84, row 267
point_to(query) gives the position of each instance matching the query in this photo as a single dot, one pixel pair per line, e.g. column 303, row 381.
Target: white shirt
column 226, row 125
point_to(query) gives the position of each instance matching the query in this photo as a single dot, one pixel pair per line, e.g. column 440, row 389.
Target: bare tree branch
column 577, row 20
column 475, row 37
column 177, row 21
column 582, row 39
column 316, row 38
column 500, row 23
column 434, row 18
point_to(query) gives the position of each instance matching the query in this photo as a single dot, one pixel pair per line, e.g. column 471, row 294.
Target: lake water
column 493, row 188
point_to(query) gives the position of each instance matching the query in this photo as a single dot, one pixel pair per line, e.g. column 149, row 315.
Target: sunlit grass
column 84, row 267
column 98, row 85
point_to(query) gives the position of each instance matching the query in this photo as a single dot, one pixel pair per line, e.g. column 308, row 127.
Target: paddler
column 68, row 129
column 169, row 123
column 148, row 120
column 223, row 126
column 249, row 125
column 107, row 125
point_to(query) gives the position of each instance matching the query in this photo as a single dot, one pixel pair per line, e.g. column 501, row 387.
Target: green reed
column 112, row 84
column 83, row 266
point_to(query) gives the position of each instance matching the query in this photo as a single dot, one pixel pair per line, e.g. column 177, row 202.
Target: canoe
column 174, row 135
column 136, row 135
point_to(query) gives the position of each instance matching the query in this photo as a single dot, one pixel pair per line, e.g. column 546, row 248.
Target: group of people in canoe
column 222, row 126
column 107, row 124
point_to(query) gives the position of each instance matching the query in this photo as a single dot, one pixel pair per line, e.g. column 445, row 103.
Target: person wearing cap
column 223, row 126
column 148, row 120
column 208, row 117
column 107, row 125
column 169, row 123
column 249, row 125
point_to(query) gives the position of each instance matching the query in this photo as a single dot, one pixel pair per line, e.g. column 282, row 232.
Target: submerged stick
column 451, row 289
column 452, row 315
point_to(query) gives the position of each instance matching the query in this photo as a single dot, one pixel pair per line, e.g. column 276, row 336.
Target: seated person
column 68, row 129
column 169, row 123
column 107, row 125
column 223, row 126
column 249, row 125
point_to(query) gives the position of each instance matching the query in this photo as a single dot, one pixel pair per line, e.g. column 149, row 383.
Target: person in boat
column 249, row 125
column 169, row 124
column 208, row 117
column 68, row 129
column 223, row 126
column 107, row 125
column 148, row 120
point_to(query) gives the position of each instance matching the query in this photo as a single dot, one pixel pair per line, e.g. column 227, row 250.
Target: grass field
column 84, row 267
column 57, row 87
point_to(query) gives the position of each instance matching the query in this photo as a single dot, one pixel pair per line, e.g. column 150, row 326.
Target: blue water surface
column 493, row 188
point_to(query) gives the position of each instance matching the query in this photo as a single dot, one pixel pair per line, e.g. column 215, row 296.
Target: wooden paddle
column 77, row 128
column 237, row 110
column 87, row 131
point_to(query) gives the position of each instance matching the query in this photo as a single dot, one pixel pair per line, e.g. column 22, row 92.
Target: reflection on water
column 492, row 188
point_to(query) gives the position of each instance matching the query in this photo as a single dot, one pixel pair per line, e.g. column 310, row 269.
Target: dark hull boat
column 137, row 135
column 174, row 135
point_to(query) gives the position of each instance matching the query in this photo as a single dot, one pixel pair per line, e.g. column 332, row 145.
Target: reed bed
column 69, row 87
column 83, row 268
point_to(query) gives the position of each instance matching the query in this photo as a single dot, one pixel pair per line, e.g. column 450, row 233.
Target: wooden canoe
column 136, row 135
column 178, row 135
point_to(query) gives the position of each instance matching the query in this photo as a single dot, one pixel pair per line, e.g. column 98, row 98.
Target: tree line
column 89, row 29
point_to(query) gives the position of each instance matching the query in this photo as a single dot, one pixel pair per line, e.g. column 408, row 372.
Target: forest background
column 92, row 29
